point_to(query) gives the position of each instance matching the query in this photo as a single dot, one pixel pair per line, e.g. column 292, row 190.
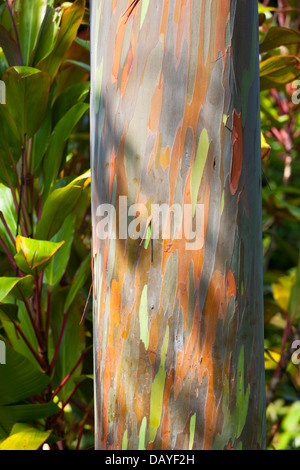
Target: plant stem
column 63, row 383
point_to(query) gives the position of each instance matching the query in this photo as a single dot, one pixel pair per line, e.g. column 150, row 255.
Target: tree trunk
column 178, row 328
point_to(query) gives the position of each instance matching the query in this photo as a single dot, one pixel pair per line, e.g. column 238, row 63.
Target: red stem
column 63, row 383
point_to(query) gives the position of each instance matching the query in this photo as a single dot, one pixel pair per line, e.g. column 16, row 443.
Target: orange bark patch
column 156, row 105
column 237, row 151
column 230, row 286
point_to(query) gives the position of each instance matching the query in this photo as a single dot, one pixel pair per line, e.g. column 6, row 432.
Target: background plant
column 46, row 393
column 46, row 387
column 280, row 70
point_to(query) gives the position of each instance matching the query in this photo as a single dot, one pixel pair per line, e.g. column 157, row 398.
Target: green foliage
column 45, row 387
column 280, row 120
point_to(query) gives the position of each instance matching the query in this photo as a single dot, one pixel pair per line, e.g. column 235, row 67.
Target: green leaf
column 8, row 210
column 10, row 147
column 15, row 286
column 28, row 17
column 60, row 202
column 57, row 266
column 47, row 34
column 278, row 70
column 278, row 36
column 77, row 63
column 72, row 95
column 29, row 88
column 15, row 339
column 33, row 253
column 11, row 414
column 24, row 437
column 72, row 344
column 9, row 312
column 58, row 138
column 80, row 278
column 19, row 378
column 10, row 48
column 40, row 142
column 70, row 23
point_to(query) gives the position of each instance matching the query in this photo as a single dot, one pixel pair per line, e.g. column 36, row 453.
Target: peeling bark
column 175, row 119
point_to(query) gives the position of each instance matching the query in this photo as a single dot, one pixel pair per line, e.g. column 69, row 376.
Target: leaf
column 24, row 437
column 33, row 253
column 66, row 100
column 29, row 88
column 279, row 36
column 55, row 270
column 15, row 339
column 294, row 303
column 10, row 147
column 72, row 344
column 9, row 213
column 265, row 147
column 70, row 23
column 9, row 312
column 16, row 285
column 79, row 280
column 19, row 378
column 28, row 17
column 11, row 414
column 278, row 70
column 40, row 142
column 77, row 63
column 60, row 134
column 10, row 48
column 59, row 203
column 282, row 291
column 47, row 34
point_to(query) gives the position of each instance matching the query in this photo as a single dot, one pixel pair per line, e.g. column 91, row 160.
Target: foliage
column 46, row 391
column 280, row 118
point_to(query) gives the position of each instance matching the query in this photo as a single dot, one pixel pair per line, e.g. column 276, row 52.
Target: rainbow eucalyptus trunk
column 178, row 325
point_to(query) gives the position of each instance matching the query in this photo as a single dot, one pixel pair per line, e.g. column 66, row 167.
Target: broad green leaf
column 15, row 339
column 10, row 147
column 28, row 16
column 9, row 47
column 278, row 36
column 70, row 23
column 47, row 34
column 9, row 213
column 77, row 63
column 24, row 437
column 29, row 88
column 72, row 345
column 9, row 312
column 278, row 70
column 58, row 138
column 11, row 414
column 60, row 202
column 72, row 95
column 40, row 142
column 33, row 253
column 15, row 286
column 81, row 276
column 19, row 378
column 57, row 266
